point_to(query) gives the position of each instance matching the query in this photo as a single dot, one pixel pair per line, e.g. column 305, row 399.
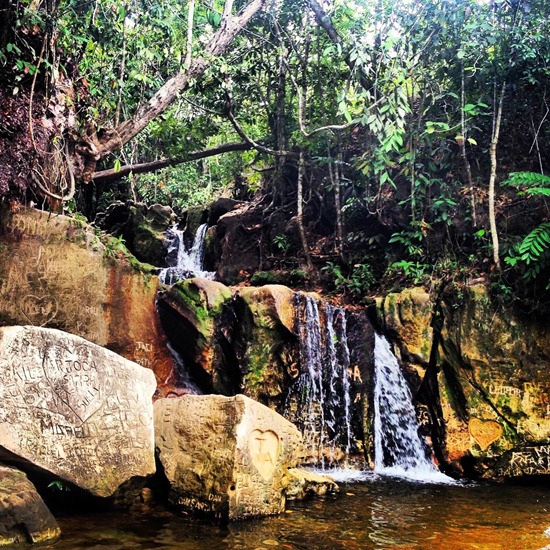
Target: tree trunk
column 300, row 212
column 146, row 167
column 114, row 139
column 492, row 178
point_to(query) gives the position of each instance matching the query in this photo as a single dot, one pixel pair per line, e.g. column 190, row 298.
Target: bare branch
column 147, row 167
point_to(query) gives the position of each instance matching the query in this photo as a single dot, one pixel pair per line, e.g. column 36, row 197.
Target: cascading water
column 319, row 402
column 398, row 449
column 184, row 262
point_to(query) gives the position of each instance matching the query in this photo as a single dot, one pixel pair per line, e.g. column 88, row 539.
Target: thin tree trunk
column 334, row 171
column 463, row 152
column 189, row 46
column 492, row 179
column 300, row 211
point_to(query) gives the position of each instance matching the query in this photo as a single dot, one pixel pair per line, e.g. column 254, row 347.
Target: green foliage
column 415, row 272
column 356, row 284
column 281, row 243
column 59, row 485
column 532, row 254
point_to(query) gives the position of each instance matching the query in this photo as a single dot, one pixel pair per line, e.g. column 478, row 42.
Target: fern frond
column 527, row 179
column 544, row 191
column 534, row 251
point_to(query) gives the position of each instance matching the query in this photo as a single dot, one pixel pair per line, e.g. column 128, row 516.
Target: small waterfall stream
column 398, row 449
column 319, row 402
column 184, row 262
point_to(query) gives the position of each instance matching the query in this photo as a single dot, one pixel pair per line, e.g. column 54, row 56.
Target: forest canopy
column 416, row 132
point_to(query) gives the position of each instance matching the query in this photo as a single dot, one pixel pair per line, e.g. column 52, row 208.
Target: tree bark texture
column 166, row 95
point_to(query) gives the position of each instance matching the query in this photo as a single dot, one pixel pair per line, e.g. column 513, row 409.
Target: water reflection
column 368, row 515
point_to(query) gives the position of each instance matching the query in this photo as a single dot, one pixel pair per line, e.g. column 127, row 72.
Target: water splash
column 398, row 449
column 183, row 262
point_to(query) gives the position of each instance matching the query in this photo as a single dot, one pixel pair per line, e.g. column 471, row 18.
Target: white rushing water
column 398, row 448
column 184, row 262
column 321, row 395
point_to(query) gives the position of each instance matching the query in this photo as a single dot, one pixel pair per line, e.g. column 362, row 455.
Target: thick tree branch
column 324, row 20
column 230, row 27
column 105, row 176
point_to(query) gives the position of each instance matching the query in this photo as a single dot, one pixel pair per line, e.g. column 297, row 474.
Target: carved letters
column 74, row 408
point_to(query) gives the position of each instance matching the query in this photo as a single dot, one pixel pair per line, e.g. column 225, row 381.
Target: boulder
column 408, row 314
column 225, row 457
column 191, row 311
column 271, row 356
column 23, row 515
column 56, row 272
column 493, row 382
column 142, row 227
column 76, row 410
column 304, row 484
column 485, row 393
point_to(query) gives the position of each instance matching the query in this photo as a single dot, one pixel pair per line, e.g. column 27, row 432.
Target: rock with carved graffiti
column 56, row 272
column 75, row 409
column 23, row 515
column 225, row 457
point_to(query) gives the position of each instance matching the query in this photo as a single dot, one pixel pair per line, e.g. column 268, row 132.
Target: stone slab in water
column 23, row 515
column 75, row 409
column 225, row 457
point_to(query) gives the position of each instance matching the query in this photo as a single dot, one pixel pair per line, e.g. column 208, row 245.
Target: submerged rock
column 79, row 411
column 225, row 457
column 23, row 515
column 304, row 484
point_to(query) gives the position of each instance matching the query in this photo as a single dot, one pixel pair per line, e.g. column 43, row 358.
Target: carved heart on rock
column 264, row 449
column 484, row 432
column 39, row 311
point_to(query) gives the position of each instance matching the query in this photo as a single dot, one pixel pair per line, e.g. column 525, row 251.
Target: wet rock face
column 74, row 409
column 55, row 272
column 225, row 457
column 490, row 381
column 23, row 515
column 142, row 227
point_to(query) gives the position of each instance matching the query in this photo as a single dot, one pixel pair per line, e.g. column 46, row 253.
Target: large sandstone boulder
column 486, row 394
column 74, row 409
column 225, row 457
column 23, row 515
column 191, row 312
column 494, row 384
column 55, row 272
column 271, row 356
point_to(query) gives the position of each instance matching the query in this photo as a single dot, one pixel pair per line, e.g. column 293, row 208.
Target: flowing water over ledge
column 373, row 514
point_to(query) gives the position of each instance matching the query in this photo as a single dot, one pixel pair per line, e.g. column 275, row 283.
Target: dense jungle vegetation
column 384, row 141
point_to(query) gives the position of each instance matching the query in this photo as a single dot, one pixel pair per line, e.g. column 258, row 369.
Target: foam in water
column 184, row 262
column 398, row 449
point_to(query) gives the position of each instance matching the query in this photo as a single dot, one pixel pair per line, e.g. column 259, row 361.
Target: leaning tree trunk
column 97, row 148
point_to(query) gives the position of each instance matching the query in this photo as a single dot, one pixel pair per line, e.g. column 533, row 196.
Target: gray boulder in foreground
column 77, row 410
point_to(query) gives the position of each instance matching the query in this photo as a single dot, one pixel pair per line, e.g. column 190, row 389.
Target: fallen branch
column 105, row 176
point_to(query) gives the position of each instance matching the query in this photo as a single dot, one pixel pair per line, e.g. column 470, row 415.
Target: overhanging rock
column 75, row 409
column 225, row 457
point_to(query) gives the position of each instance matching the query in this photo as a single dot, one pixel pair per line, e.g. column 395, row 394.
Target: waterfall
column 183, row 262
column 398, row 449
column 319, row 401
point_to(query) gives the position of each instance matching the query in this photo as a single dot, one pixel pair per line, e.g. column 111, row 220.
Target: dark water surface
column 381, row 513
